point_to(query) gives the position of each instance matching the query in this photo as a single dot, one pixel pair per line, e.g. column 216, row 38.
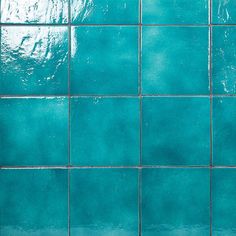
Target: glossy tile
column 105, row 131
column 175, row 131
column 104, row 60
column 224, row 11
column 175, row 12
column 105, row 11
column 175, row 60
column 224, row 202
column 34, row 11
column 34, row 60
column 34, row 131
column 224, row 60
column 104, row 202
column 224, row 131
column 33, row 202
column 175, row 202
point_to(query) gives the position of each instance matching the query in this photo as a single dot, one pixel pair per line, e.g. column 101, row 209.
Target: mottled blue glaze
column 175, row 202
column 175, row 60
column 104, row 202
column 105, row 11
column 34, row 11
column 33, row 202
column 105, row 131
column 224, row 11
column 224, row 202
column 175, row 131
column 33, row 131
column 224, row 60
column 34, row 60
column 104, row 60
column 175, row 11
column 224, row 131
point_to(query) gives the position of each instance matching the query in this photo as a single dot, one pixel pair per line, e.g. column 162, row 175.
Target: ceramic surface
column 33, row 202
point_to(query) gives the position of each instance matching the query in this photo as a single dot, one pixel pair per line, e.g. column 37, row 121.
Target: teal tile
column 175, row 12
column 33, row 131
column 224, row 12
column 224, row 131
column 175, row 60
column 34, row 11
column 33, row 202
column 105, row 131
column 224, row 60
column 175, row 202
column 224, row 202
column 105, row 11
column 104, row 202
column 104, row 60
column 176, row 131
column 34, row 60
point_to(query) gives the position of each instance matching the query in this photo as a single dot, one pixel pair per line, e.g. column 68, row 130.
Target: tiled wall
column 117, row 117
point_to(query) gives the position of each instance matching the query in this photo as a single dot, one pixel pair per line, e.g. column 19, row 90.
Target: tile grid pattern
column 140, row 128
column 140, row 96
column 211, row 108
column 69, row 114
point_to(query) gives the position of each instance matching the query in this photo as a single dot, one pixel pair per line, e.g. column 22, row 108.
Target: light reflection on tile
column 34, row 60
column 34, row 11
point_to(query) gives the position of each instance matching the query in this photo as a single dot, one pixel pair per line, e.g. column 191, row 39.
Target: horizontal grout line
column 116, row 167
column 137, row 24
column 32, row 96
column 115, row 96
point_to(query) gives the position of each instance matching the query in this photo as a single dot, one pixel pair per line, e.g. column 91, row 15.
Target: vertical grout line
column 69, row 96
column 68, row 196
column 211, row 108
column 140, row 201
column 69, row 111
column 140, row 120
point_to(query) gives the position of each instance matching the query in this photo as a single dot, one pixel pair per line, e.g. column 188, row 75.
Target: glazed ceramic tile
column 175, row 60
column 176, row 131
column 33, row 202
column 105, row 131
column 224, row 131
column 224, row 11
column 34, row 11
column 104, row 60
column 175, row 11
column 34, row 60
column 105, row 11
column 117, row 117
column 175, row 202
column 104, row 202
column 34, row 131
column 224, row 60
column 224, row 202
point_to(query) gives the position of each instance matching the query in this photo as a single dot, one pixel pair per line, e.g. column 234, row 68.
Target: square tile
column 34, row 60
column 104, row 202
column 105, row 131
column 224, row 202
column 224, row 60
column 224, row 12
column 176, row 131
column 105, row 11
column 104, row 60
column 33, row 202
column 175, row 60
column 224, row 131
column 34, row 11
column 34, row 131
column 175, row 12
column 175, row 202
